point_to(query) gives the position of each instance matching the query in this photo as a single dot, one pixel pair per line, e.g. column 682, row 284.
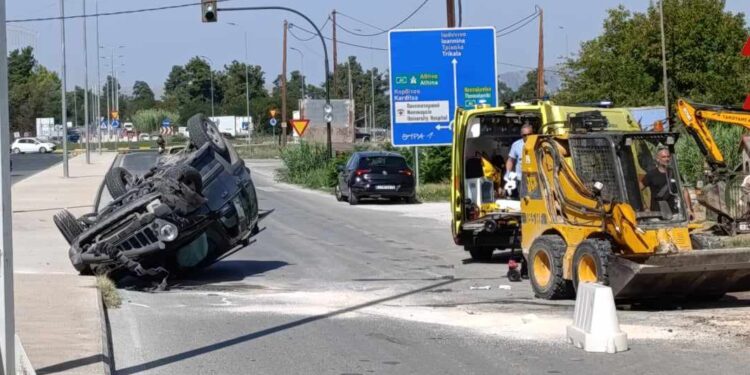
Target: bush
column 149, row 120
column 308, row 165
column 434, row 192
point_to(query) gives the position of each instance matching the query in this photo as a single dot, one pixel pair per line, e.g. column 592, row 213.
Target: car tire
column 353, row 200
column 68, row 225
column 190, row 177
column 481, row 253
column 337, row 192
column 117, row 181
column 412, row 199
column 546, row 268
column 16, row 150
column 42, row 150
column 203, row 131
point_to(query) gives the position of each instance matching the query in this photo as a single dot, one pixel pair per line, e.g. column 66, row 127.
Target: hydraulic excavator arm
column 695, row 117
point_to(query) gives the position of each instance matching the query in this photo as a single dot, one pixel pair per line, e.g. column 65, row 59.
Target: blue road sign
column 166, row 123
column 432, row 72
column 103, row 124
column 245, row 125
column 116, row 124
column 272, row 122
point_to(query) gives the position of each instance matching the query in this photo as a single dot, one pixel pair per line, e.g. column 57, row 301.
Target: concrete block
column 595, row 326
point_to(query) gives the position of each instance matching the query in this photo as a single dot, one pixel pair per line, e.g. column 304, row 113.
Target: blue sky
column 154, row 42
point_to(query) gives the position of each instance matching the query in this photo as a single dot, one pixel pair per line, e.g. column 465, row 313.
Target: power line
column 536, row 13
column 132, row 11
column 546, row 69
column 518, row 27
column 314, row 34
column 301, row 39
column 383, row 31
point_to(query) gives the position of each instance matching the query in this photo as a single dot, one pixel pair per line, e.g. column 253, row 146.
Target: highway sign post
column 433, row 71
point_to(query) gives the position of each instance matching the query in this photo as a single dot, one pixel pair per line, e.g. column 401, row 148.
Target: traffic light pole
column 325, row 55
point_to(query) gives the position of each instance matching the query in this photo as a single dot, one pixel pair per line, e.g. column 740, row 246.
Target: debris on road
column 189, row 211
column 483, row 287
column 503, row 287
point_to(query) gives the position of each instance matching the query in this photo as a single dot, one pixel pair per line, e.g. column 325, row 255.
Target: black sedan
column 375, row 174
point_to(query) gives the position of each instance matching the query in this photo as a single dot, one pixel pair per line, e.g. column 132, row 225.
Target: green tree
column 34, row 91
column 504, row 93
column 623, row 64
column 143, row 97
column 187, row 89
column 527, row 90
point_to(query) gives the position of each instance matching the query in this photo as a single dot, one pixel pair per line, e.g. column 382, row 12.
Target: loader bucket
column 684, row 275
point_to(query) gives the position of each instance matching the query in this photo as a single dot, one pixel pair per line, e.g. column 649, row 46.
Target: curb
column 108, row 353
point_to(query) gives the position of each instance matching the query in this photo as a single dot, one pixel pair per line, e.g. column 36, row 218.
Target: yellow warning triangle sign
column 300, row 126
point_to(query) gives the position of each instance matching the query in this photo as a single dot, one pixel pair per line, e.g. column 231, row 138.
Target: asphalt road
column 380, row 288
column 25, row 165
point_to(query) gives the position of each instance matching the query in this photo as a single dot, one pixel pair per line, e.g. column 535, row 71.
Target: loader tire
column 546, row 268
column 591, row 262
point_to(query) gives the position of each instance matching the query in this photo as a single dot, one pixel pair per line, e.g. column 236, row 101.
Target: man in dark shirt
column 662, row 184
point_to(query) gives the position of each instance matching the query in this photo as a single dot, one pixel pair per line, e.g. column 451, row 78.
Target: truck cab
column 484, row 218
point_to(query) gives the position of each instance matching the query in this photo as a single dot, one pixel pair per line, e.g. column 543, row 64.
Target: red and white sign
column 165, row 131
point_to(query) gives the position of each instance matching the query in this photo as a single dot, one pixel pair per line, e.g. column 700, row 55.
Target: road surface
column 378, row 288
column 25, row 165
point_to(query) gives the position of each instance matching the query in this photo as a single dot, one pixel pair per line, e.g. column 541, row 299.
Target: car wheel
column 339, row 196
column 190, row 177
column 16, row 150
column 68, row 225
column 412, row 199
column 353, row 200
column 42, row 150
column 203, row 131
column 117, row 181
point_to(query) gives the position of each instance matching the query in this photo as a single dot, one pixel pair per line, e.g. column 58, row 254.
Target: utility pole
column 247, row 90
column 335, row 52
column 540, row 66
column 98, row 82
column 283, row 88
column 7, row 320
column 86, row 84
column 64, row 116
column 372, row 98
column 664, row 59
column 451, row 12
column 350, row 90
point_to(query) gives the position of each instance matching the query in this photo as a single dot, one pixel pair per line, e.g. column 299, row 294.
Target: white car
column 24, row 145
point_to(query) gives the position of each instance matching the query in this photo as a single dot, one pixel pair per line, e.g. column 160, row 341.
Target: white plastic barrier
column 595, row 326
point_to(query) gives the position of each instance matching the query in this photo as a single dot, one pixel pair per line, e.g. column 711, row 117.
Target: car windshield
column 382, row 162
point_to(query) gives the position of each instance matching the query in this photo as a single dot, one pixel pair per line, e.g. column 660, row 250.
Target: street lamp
column 247, row 81
column 302, row 68
column 211, row 74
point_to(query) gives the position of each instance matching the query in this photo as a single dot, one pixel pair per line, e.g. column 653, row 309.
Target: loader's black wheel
column 203, row 131
column 591, row 262
column 481, row 253
column 546, row 268
column 68, row 225
column 118, row 180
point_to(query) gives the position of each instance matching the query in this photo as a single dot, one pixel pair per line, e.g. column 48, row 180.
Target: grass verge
column 109, row 292
column 440, row 192
column 258, row 151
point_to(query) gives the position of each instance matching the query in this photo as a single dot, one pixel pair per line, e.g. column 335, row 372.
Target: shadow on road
column 269, row 331
column 231, row 270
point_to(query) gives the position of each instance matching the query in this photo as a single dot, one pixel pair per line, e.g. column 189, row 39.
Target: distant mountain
column 515, row 79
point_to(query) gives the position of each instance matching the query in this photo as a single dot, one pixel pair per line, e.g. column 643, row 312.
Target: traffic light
column 208, row 10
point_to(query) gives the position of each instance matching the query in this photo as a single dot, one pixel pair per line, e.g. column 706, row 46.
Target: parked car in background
column 31, row 145
column 375, row 174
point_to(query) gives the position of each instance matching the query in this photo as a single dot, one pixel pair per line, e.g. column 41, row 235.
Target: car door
column 344, row 174
column 34, row 145
column 27, row 145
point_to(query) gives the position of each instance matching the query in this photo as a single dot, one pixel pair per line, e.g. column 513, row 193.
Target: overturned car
column 190, row 210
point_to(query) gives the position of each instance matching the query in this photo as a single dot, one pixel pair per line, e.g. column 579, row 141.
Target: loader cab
column 626, row 167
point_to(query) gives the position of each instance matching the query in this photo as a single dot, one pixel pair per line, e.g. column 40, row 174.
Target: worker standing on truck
column 661, row 184
column 513, row 164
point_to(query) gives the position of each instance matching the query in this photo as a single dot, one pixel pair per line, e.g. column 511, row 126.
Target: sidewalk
column 58, row 317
